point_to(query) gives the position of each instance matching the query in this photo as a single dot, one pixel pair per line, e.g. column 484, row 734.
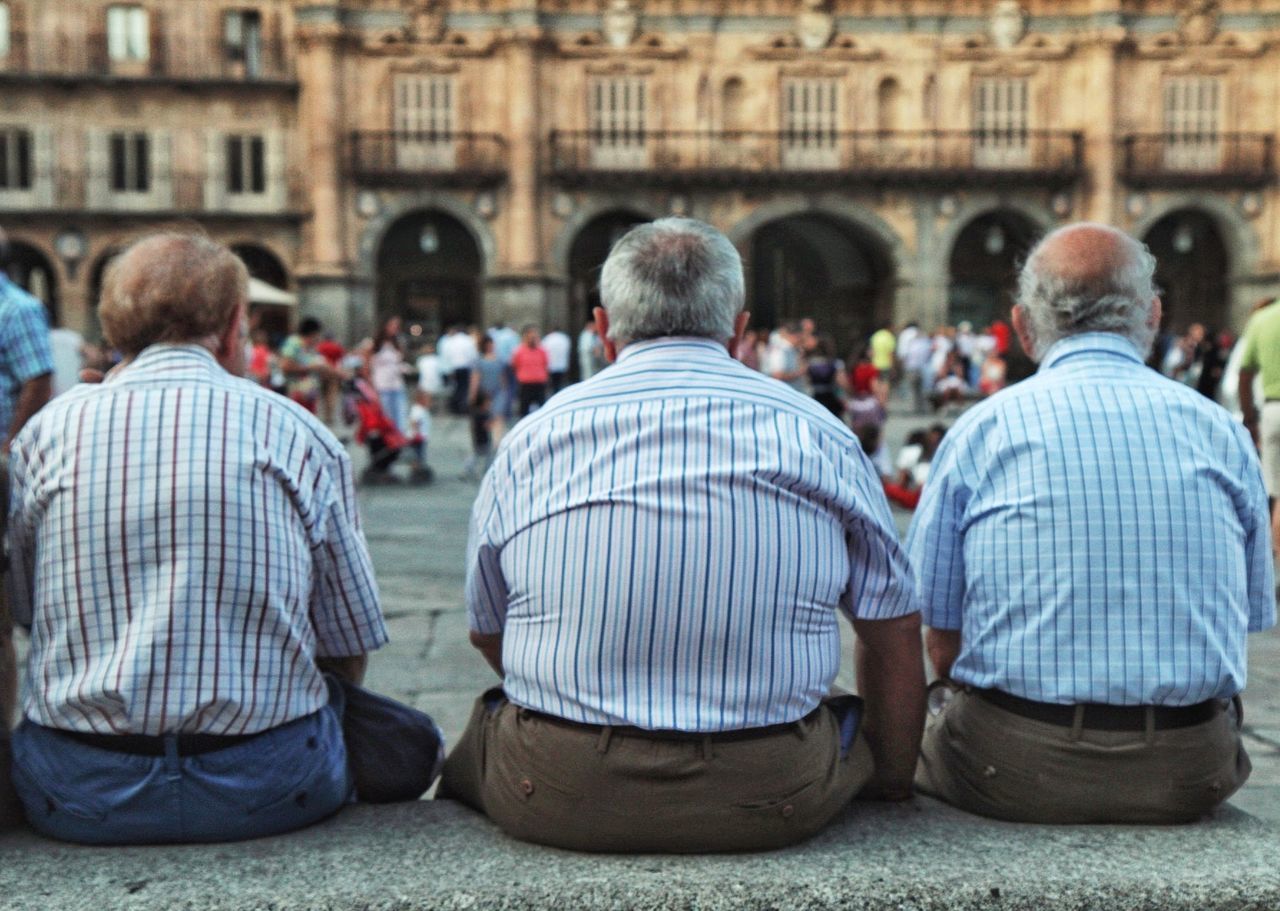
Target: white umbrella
column 262, row 293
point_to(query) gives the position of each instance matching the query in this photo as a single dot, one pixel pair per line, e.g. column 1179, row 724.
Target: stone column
column 320, row 124
column 524, row 250
column 1099, row 54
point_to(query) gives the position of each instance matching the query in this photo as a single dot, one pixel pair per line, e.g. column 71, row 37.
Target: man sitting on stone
column 1092, row 547
column 188, row 556
column 657, row 562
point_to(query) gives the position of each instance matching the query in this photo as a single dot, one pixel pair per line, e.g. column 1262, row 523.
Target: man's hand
column 891, row 681
column 490, row 645
column 349, row 669
column 943, row 646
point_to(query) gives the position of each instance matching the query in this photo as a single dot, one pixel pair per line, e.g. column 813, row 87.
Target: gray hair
column 1114, row 294
column 673, row 276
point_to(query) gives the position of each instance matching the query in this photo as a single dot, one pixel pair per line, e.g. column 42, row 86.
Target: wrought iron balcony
column 728, row 158
column 1197, row 159
column 445, row 159
column 169, row 59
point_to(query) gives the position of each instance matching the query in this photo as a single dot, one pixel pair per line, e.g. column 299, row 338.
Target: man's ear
column 602, row 329
column 740, row 324
column 230, row 351
column 1022, row 328
column 1157, row 314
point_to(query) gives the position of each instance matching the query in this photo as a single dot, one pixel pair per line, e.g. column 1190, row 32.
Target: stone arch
column 1242, row 242
column 1040, row 216
column 429, row 272
column 32, row 267
column 582, row 216
column 374, row 233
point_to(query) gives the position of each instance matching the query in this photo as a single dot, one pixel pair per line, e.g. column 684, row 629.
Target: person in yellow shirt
column 1261, row 355
column 883, row 345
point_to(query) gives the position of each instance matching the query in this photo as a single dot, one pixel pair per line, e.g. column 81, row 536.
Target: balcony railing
column 792, row 158
column 169, row 58
column 398, row 158
column 185, row 193
column 1200, row 159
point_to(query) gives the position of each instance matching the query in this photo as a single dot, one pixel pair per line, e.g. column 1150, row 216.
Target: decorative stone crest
column 1008, row 24
column 427, row 20
column 815, row 25
column 1198, row 21
column 620, row 23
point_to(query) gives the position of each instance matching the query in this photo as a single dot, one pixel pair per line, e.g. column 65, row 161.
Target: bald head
column 1088, row 278
column 171, row 288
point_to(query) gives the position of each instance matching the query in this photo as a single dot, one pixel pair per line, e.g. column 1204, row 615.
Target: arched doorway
column 31, row 270
column 587, row 254
column 96, row 275
column 819, row 266
column 1192, row 270
column 983, row 270
column 266, row 267
column 429, row 271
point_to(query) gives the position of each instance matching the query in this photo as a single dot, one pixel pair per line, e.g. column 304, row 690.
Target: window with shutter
column 16, row 161
column 1193, row 123
column 1001, row 114
column 128, row 34
column 616, row 117
column 246, row 165
column 423, row 112
column 242, row 40
column 130, row 162
column 810, row 123
column 6, row 41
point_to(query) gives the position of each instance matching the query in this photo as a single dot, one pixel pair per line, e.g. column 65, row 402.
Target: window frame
column 128, row 33
column 129, row 165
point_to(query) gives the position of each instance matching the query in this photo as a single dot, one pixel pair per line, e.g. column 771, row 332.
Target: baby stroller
column 374, row 429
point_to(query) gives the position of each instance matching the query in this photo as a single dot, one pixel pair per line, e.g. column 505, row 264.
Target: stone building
column 472, row 160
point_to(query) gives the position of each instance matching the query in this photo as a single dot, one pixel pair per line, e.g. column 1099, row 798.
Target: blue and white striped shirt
column 1098, row 533
column 666, row 545
column 24, row 346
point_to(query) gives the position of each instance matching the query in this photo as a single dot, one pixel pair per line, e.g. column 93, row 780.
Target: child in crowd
column 481, row 436
column 420, row 436
column 430, row 382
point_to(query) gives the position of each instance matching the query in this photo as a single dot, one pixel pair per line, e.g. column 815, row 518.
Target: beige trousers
column 608, row 789
column 993, row 762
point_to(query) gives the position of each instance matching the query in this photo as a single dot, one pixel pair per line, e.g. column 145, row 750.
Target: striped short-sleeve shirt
column 1098, row 533
column 668, row 545
column 24, row 345
column 184, row 544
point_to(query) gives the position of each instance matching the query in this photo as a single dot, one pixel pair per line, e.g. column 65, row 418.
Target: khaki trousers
column 993, row 762
column 606, row 789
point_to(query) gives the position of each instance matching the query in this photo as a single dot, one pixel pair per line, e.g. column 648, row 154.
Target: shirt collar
column 671, row 347
column 190, row 360
column 1090, row 343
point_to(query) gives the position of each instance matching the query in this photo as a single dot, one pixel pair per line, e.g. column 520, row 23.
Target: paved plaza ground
column 418, row 540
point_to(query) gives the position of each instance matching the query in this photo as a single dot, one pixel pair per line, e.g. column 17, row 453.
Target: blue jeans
column 395, row 404
column 280, row 780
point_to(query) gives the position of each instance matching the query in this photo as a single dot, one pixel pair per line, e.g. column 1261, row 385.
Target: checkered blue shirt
column 184, row 544
column 668, row 545
column 24, row 345
column 1098, row 533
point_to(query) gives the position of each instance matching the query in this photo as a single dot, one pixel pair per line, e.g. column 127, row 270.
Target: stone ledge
column 431, row 855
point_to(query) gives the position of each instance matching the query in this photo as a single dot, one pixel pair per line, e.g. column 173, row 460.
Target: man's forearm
column 891, row 682
column 351, row 669
column 33, row 396
column 490, row 645
column 943, row 646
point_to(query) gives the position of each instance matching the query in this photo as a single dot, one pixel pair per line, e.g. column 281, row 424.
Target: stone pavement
column 418, row 540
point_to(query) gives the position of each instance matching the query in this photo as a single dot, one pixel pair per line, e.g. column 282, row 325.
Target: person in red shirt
column 1002, row 334
column 529, row 362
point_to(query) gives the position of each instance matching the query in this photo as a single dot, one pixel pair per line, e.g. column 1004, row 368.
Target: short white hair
column 672, row 277
column 1115, row 299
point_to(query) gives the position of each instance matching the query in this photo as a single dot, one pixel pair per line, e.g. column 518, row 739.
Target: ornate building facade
column 472, row 160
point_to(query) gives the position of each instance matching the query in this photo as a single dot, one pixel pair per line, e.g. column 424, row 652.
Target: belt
column 626, row 730
column 1100, row 717
column 145, row 745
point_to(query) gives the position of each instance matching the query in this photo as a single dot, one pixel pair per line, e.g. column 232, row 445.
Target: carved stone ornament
column 815, row 25
column 427, row 20
column 1008, row 24
column 621, row 23
column 1198, row 21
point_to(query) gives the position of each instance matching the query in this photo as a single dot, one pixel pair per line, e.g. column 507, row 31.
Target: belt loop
column 172, row 761
column 1151, row 724
column 1239, row 704
column 707, row 748
column 606, row 735
column 1077, row 723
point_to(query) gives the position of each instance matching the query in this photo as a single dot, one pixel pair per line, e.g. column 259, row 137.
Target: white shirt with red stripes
column 184, row 543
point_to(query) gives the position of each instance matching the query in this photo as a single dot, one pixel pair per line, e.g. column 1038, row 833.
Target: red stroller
column 374, row 430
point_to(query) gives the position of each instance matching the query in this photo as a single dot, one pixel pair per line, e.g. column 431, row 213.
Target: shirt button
column 527, row 786
column 788, row 811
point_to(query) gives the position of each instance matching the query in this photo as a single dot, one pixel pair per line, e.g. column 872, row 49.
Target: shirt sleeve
column 486, row 588
column 21, row 547
column 881, row 586
column 27, row 344
column 1259, row 559
column 1249, row 356
column 345, row 608
column 935, row 544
